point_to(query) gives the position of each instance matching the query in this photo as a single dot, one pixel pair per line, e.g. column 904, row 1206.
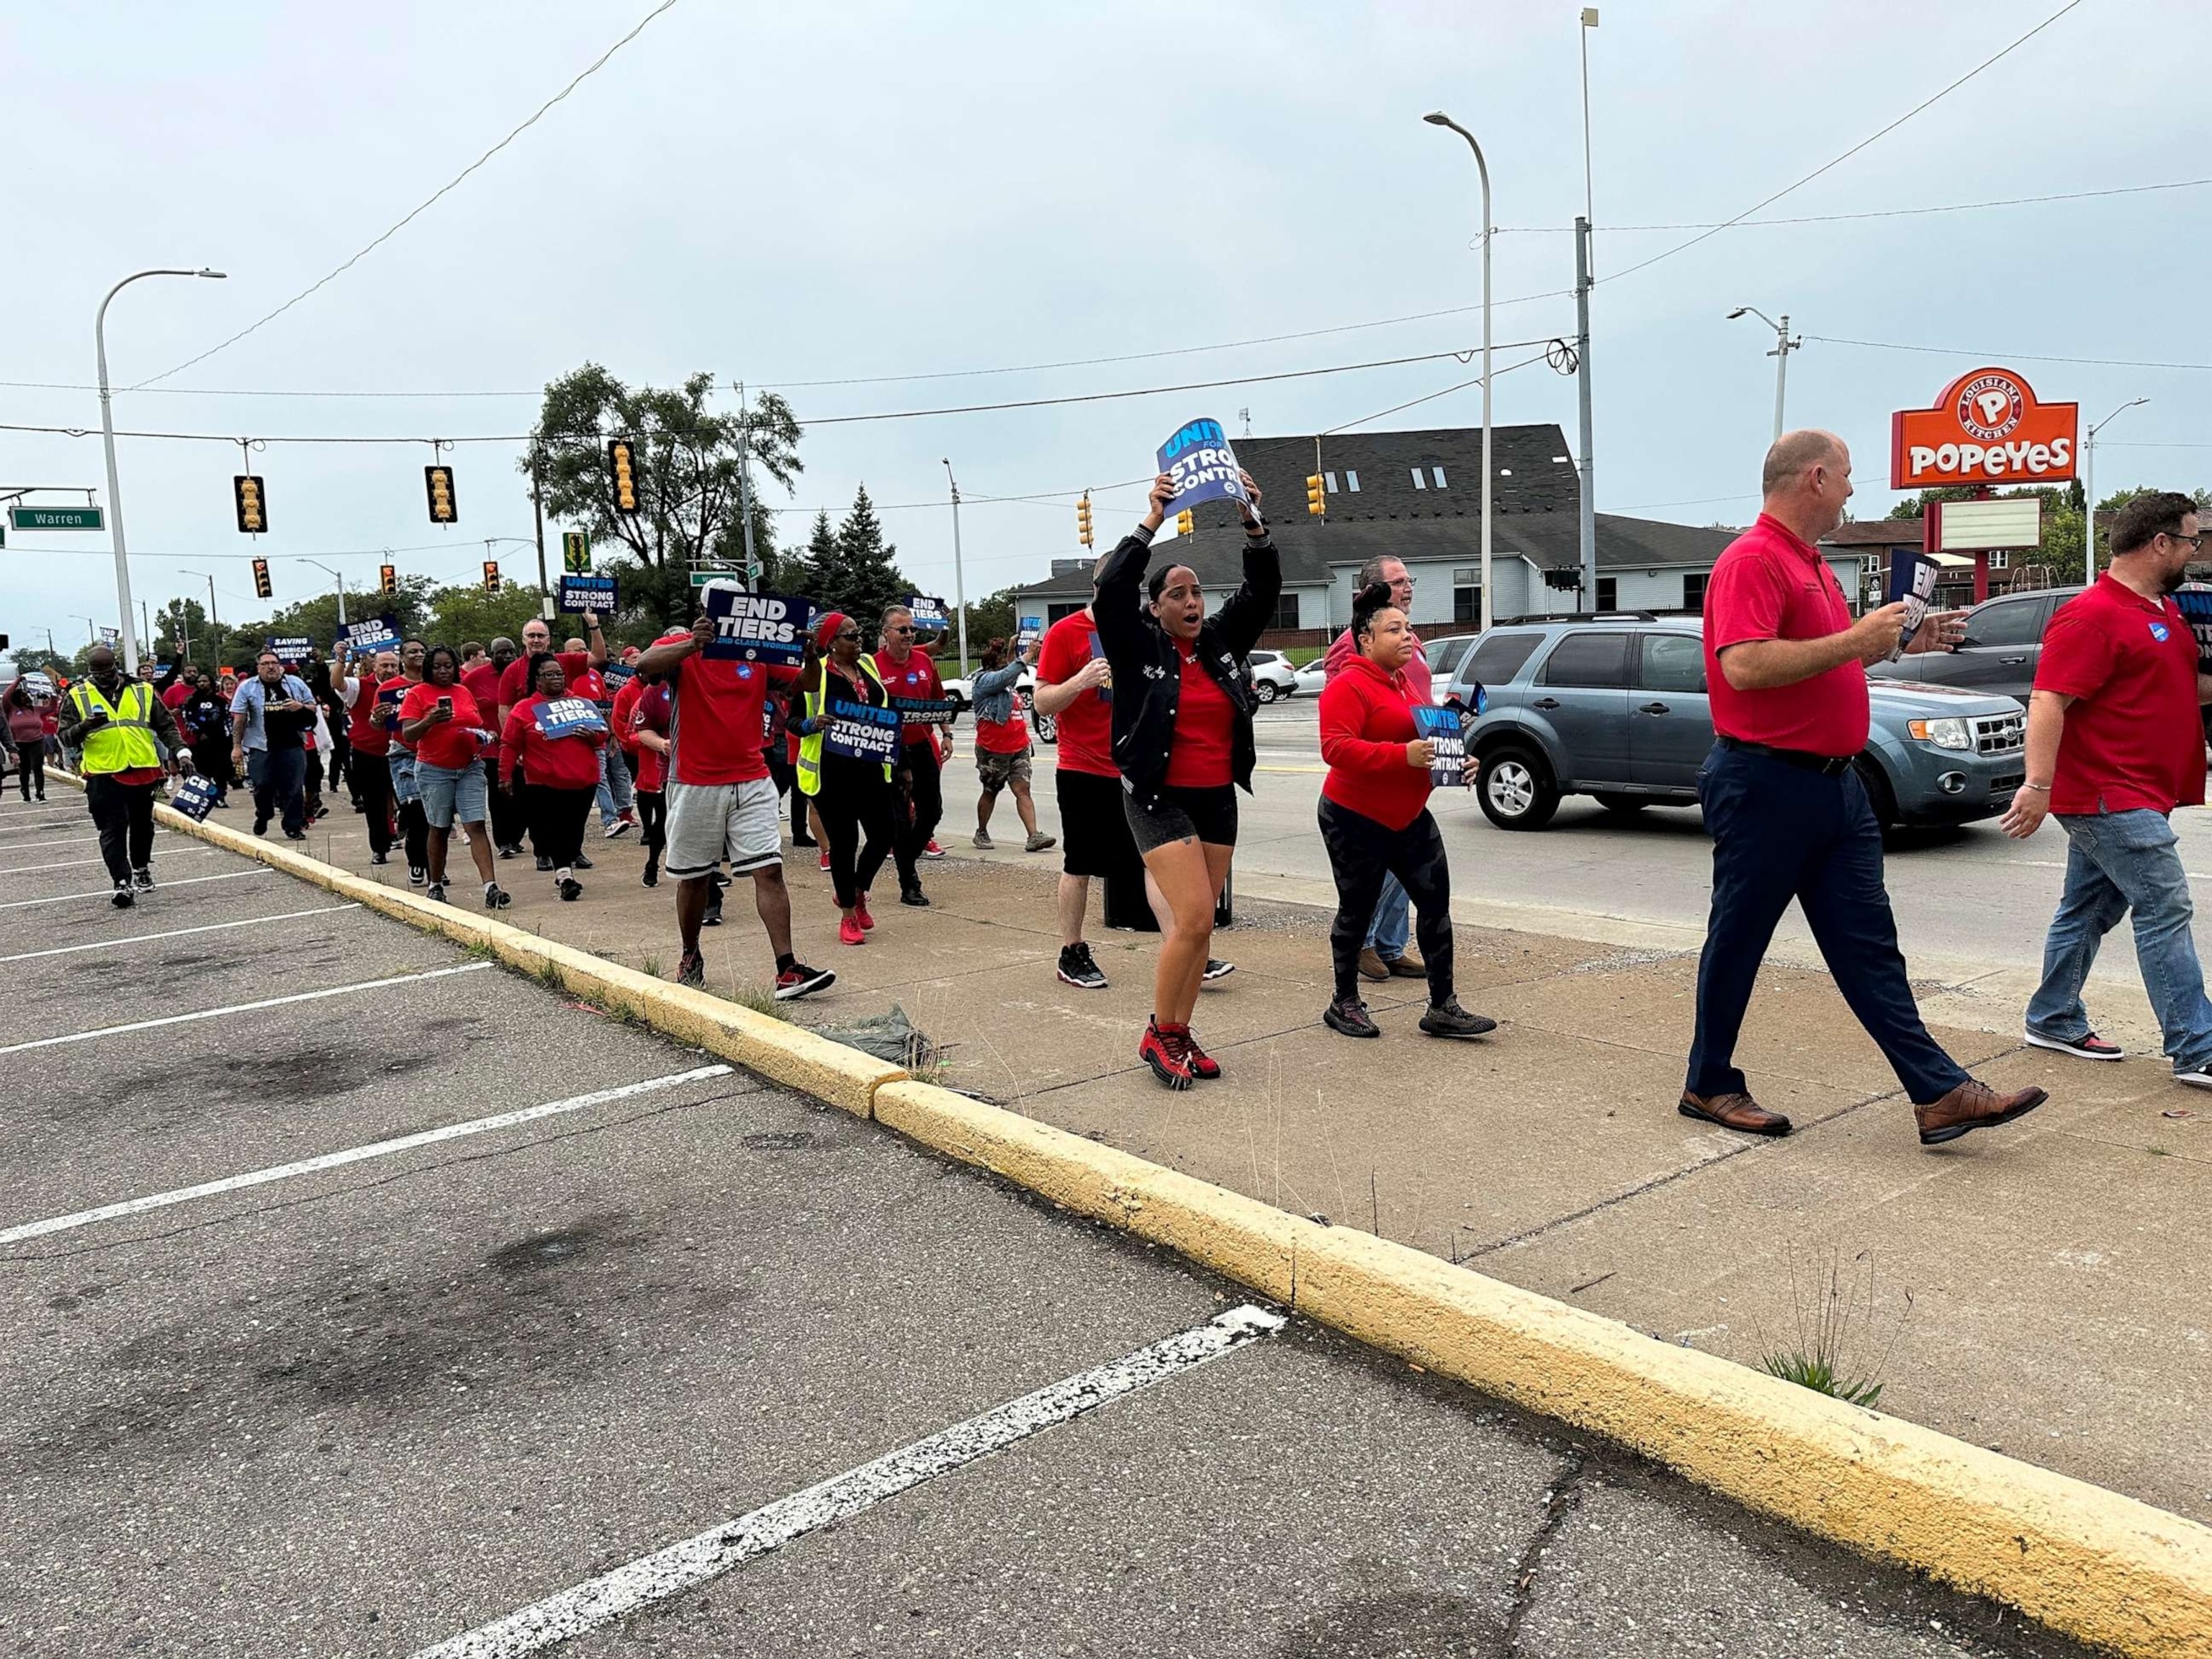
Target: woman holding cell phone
column 441, row 718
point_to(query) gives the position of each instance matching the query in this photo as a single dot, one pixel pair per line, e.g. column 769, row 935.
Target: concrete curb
column 2106, row 1569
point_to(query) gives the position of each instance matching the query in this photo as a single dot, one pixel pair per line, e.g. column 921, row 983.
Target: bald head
column 100, row 660
column 1806, row 481
column 1794, row 452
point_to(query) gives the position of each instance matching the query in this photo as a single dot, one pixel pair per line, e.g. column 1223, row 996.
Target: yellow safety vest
column 126, row 742
column 810, row 746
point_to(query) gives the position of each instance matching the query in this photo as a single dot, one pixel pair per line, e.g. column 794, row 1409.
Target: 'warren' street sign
column 56, row 517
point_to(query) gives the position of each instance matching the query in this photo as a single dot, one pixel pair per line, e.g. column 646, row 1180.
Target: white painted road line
column 73, row 864
column 684, row 1567
column 242, row 1008
column 88, row 839
column 174, row 932
column 106, row 892
column 352, row 1155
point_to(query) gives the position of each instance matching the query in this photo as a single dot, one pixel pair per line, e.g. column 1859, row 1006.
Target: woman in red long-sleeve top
column 563, row 771
column 1375, row 817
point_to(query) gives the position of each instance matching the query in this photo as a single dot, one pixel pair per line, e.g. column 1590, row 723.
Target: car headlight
column 1946, row 734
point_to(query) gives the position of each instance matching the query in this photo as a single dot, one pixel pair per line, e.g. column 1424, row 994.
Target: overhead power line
column 1878, row 213
column 583, row 75
column 2010, row 356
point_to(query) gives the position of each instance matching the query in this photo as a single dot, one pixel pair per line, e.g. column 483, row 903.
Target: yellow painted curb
column 2109, row 1570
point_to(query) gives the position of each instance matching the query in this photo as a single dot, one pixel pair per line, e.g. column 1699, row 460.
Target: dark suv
column 2004, row 641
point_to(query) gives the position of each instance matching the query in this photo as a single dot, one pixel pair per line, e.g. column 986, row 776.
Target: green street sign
column 56, row 517
column 701, row 578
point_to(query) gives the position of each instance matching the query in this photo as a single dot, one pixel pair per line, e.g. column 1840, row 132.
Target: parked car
column 1617, row 708
column 1313, row 677
column 1444, row 657
column 2004, row 643
column 962, row 692
column 1272, row 676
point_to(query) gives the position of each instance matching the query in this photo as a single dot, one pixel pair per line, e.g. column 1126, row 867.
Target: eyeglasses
column 2196, row 543
column 899, row 631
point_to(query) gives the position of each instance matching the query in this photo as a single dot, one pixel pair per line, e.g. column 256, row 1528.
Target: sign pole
column 1588, row 527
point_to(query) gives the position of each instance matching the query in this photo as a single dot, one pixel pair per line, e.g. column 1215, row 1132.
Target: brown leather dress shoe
column 1734, row 1112
column 1973, row 1106
column 1406, row 965
column 1372, row 965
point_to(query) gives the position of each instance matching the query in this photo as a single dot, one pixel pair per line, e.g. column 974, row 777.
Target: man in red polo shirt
column 1786, row 670
column 2115, row 742
column 910, row 675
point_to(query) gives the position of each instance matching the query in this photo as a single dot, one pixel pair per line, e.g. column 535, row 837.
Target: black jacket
column 1148, row 670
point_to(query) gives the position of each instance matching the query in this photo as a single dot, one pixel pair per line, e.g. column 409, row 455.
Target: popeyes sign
column 1987, row 427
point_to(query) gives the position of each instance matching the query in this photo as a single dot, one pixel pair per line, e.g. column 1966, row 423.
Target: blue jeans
column 614, row 784
column 1386, row 933
column 2117, row 862
column 1780, row 833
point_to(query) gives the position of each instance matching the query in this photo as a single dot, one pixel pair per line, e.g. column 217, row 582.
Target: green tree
column 466, row 611
column 815, row 571
column 687, row 467
column 30, row 660
column 862, row 578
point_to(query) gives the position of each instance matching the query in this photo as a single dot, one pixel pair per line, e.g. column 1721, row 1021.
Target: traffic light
column 387, row 578
column 491, row 575
column 1184, row 523
column 1083, row 520
column 1317, row 500
column 622, row 464
column 576, row 552
column 261, row 588
column 252, row 505
column 438, row 484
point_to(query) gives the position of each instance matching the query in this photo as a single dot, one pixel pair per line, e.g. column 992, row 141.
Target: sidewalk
column 2049, row 1279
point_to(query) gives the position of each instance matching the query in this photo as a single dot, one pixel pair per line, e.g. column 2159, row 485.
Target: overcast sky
column 832, row 191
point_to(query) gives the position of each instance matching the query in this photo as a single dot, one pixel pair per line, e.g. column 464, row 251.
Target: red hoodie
column 1367, row 722
column 570, row 763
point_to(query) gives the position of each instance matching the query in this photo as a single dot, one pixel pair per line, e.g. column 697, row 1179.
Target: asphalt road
column 271, row 1384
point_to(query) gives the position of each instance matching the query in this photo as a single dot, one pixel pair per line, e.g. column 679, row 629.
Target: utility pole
column 537, row 516
column 959, row 584
column 2089, row 491
column 145, row 622
column 746, row 486
column 1589, row 531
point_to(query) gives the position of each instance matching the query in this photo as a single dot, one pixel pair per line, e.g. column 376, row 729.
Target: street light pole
column 1784, row 345
column 959, row 583
column 340, row 578
column 210, row 581
column 1438, row 118
column 2089, row 491
column 107, row 436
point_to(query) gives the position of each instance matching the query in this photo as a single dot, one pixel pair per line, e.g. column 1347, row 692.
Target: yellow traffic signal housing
column 491, row 575
column 388, row 577
column 622, row 465
column 1317, row 499
column 261, row 587
column 438, row 484
column 1083, row 521
column 252, row 503
column 1184, row 523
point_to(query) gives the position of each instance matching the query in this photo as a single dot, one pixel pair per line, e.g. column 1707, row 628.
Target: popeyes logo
column 1986, row 426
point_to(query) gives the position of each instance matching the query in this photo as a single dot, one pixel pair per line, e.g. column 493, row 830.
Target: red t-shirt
column 1010, row 736
column 718, row 724
column 1200, row 756
column 1086, row 725
column 586, row 683
column 364, row 730
column 452, row 744
column 2134, row 739
column 176, row 697
column 569, row 762
column 649, row 712
column 1771, row 585
column 619, row 721
column 482, row 681
column 1367, row 722
column 515, row 682
column 914, row 677
column 388, row 696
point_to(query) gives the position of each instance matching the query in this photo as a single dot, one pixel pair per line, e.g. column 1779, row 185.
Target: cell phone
column 446, row 703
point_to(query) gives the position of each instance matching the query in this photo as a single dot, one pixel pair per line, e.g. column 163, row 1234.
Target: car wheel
column 959, row 703
column 1625, row 806
column 1267, row 690
column 1880, row 796
column 1517, row 790
column 1046, row 727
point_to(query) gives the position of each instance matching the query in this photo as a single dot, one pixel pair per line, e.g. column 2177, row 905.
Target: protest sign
column 2196, row 604
column 861, row 732
column 1203, row 467
column 366, row 639
column 194, row 797
column 110, row 635
column 290, row 647
column 387, row 704
column 36, row 684
column 756, row 627
column 1029, row 630
column 1911, row 578
column 616, row 674
column 926, row 711
column 593, row 593
column 564, row 717
column 1441, row 727
column 929, row 616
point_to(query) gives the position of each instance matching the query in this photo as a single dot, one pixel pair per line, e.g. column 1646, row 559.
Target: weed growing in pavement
column 1837, row 1322
column 549, row 974
column 650, row 963
column 760, row 1002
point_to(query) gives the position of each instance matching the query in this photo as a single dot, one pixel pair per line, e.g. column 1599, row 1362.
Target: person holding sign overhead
column 554, row 738
column 1375, row 817
column 845, row 761
column 440, row 718
column 1182, row 739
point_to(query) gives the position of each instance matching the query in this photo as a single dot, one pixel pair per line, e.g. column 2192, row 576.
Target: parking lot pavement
column 361, row 1324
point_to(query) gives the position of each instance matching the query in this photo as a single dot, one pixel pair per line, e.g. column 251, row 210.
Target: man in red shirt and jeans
column 1786, row 669
column 2115, row 742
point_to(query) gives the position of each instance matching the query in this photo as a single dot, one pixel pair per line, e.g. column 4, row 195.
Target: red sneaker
column 1202, row 1065
column 826, row 859
column 932, row 850
column 849, row 932
column 1160, row 1051
column 860, row 913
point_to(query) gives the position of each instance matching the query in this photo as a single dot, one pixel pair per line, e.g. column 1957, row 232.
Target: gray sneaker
column 983, row 840
column 1037, row 842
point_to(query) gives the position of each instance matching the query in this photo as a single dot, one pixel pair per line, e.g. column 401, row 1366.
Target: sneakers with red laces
column 1159, row 1051
column 1202, row 1065
column 860, row 913
column 849, row 931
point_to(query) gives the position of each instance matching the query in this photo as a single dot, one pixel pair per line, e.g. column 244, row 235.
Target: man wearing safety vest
column 129, row 739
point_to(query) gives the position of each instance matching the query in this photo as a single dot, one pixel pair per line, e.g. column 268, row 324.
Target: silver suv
column 1614, row 707
column 2004, row 643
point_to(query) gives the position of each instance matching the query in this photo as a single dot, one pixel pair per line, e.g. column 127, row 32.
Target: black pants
column 310, row 784
column 211, row 760
column 557, row 817
column 652, row 825
column 123, row 813
column 1780, row 833
column 278, row 777
column 30, row 763
column 372, row 787
column 507, row 825
column 1361, row 852
column 857, row 807
column 922, row 806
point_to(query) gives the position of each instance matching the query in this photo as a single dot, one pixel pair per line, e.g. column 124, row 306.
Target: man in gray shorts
column 722, row 804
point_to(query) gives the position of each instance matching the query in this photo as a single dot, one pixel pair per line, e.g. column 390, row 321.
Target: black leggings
column 925, row 796
column 1361, row 852
column 31, row 759
column 652, row 825
column 505, row 810
column 857, row 808
column 371, row 784
column 557, row 817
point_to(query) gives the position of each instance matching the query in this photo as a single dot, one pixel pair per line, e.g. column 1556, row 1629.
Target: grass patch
column 650, row 963
column 760, row 1002
column 1839, row 1330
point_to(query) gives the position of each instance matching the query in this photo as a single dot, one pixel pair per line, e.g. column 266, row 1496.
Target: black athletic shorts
column 1094, row 837
column 1179, row 814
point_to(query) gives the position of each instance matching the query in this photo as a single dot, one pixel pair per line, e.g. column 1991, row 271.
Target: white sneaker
column 2194, row 1079
column 619, row 827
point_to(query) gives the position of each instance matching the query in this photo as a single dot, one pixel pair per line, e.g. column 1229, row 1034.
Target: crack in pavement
column 1561, row 1501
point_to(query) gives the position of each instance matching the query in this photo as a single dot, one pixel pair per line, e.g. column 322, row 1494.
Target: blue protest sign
column 756, row 627
column 929, row 614
column 290, row 649
column 36, row 685
column 1201, row 463
column 593, row 593
column 1911, row 578
column 564, row 717
column 194, row 797
column 926, row 711
column 861, row 732
column 1028, row 631
column 2196, row 604
column 366, row 639
column 1441, row 726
